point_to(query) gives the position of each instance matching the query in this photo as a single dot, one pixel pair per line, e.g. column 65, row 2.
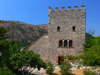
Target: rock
column 42, row 70
column 88, row 67
column 31, row 69
column 76, row 65
column 57, row 67
column 35, row 70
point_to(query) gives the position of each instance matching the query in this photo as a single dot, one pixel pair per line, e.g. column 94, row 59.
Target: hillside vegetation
column 23, row 32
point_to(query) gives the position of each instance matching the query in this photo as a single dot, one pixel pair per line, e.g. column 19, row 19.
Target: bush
column 42, row 31
column 21, row 29
column 6, row 72
column 88, row 72
column 92, row 56
column 70, row 57
column 31, row 29
column 50, row 68
column 65, row 68
column 26, row 58
column 78, row 66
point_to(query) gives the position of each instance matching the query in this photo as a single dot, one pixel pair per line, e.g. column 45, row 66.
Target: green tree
column 6, row 72
column 92, row 56
column 3, row 43
column 6, row 48
column 88, row 40
column 3, row 33
column 14, row 48
column 26, row 58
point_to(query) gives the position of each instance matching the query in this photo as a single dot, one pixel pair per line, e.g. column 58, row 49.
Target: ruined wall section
column 41, row 47
column 66, row 19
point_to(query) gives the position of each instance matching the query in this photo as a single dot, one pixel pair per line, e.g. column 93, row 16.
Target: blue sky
column 36, row 11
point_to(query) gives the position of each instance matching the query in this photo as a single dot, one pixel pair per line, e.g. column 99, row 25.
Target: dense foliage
column 88, row 40
column 92, row 56
column 7, row 48
column 3, row 33
column 4, row 46
column 69, row 57
column 26, row 58
column 6, row 72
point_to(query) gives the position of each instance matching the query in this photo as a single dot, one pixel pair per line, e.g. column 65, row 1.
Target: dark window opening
column 74, row 28
column 60, row 43
column 58, row 28
column 70, row 43
column 65, row 43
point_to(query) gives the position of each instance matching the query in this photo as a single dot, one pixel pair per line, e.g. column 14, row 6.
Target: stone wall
column 41, row 47
column 66, row 19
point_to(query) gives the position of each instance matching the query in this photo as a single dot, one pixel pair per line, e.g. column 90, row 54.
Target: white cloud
column 89, row 23
column 95, row 35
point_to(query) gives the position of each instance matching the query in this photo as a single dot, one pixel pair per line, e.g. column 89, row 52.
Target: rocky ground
column 75, row 70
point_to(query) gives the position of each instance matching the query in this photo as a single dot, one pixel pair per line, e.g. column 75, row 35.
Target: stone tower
column 66, row 32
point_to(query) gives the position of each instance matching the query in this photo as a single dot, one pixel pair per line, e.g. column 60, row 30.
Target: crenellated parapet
column 68, row 9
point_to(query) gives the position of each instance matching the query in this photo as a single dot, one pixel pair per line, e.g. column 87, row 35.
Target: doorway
column 60, row 59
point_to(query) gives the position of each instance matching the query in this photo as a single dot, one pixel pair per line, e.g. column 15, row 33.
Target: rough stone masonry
column 66, row 34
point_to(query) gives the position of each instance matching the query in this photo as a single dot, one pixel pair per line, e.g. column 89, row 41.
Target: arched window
column 60, row 43
column 58, row 28
column 65, row 43
column 70, row 43
column 73, row 28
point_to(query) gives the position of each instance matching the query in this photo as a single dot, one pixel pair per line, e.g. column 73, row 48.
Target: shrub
column 50, row 68
column 42, row 31
column 78, row 66
column 88, row 72
column 70, row 57
column 21, row 29
column 65, row 68
column 94, row 67
column 31, row 29
column 6, row 72
column 92, row 56
column 26, row 58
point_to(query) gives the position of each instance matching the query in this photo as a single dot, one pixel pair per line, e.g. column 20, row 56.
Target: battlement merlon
column 69, row 9
column 62, row 9
column 57, row 9
column 75, row 7
column 83, row 8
